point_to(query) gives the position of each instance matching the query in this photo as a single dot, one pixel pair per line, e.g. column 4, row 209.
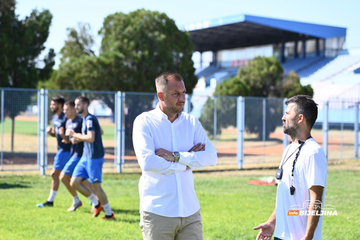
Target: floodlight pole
column 240, row 123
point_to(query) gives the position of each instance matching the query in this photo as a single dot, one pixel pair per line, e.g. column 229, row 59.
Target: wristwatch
column 176, row 155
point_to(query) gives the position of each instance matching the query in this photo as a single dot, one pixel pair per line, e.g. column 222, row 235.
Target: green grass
column 21, row 127
column 229, row 207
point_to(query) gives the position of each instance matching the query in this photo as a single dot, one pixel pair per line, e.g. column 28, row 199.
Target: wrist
column 176, row 156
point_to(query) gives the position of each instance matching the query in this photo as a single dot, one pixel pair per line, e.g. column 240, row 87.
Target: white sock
column 107, row 209
column 76, row 199
column 93, row 198
column 52, row 195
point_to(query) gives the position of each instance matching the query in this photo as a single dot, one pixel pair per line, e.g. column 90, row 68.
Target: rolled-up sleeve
column 145, row 151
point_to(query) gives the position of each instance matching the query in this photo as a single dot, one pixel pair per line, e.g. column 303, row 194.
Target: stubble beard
column 291, row 131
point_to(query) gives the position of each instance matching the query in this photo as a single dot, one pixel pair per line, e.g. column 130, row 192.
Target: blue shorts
column 61, row 158
column 89, row 169
column 70, row 165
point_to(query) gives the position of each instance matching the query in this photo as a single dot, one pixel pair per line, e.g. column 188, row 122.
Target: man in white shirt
column 168, row 144
column 302, row 178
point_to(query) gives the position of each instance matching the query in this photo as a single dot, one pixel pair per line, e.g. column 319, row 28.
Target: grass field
column 230, row 207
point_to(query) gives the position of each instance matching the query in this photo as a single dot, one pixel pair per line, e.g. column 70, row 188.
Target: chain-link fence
column 247, row 132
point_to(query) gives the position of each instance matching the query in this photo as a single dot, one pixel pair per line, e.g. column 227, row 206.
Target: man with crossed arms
column 168, row 144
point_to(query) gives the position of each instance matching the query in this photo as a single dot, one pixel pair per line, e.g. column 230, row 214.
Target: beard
column 291, row 130
column 54, row 110
column 175, row 110
column 80, row 110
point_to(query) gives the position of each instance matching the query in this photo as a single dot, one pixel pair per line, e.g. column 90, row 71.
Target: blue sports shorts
column 89, row 169
column 61, row 158
column 70, row 165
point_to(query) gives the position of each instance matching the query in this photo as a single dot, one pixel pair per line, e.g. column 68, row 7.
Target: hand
column 165, row 154
column 74, row 140
column 198, row 147
column 266, row 231
column 69, row 132
column 61, row 131
column 50, row 130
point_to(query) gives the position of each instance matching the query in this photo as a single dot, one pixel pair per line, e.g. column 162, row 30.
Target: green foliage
column 21, row 42
column 263, row 77
column 135, row 49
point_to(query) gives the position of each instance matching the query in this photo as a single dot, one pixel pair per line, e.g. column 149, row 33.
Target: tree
column 21, row 42
column 263, row 77
column 150, row 43
column 135, row 49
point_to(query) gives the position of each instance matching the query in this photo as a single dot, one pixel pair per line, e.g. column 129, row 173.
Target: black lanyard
column 279, row 172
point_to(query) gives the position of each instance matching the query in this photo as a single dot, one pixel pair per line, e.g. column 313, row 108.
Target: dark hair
column 163, row 78
column 305, row 105
column 70, row 103
column 58, row 100
column 84, row 100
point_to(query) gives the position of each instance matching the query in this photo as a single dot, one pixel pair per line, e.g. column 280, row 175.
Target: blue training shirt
column 92, row 150
column 59, row 122
column 76, row 125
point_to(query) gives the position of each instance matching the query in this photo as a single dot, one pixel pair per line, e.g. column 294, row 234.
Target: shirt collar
column 161, row 115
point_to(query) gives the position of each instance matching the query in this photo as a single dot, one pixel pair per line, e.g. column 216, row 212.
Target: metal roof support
column 214, row 58
column 303, row 48
column 296, row 54
column 324, row 47
column 282, row 52
column 201, row 60
column 317, row 47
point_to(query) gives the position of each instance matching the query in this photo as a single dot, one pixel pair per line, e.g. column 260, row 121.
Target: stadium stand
column 334, row 67
column 298, row 64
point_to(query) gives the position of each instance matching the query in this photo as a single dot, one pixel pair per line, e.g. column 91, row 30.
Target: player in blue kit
column 63, row 150
column 90, row 165
column 74, row 122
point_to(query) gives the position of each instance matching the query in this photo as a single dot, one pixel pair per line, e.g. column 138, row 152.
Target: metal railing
column 246, row 131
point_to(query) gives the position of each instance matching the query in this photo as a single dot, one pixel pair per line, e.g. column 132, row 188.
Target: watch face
column 176, row 155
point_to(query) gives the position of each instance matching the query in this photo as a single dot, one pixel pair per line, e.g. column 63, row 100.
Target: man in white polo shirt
column 168, row 144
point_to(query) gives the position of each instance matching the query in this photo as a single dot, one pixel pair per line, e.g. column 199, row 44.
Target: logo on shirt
column 316, row 209
column 89, row 123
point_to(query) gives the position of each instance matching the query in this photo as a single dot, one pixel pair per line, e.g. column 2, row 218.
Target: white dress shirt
column 167, row 188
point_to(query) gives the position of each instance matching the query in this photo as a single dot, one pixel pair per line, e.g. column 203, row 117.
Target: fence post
column 215, row 121
column 285, row 138
column 325, row 128
column 118, row 139
column 356, row 130
column 38, row 130
column 264, row 127
column 240, row 123
column 46, row 107
column 122, row 124
column 187, row 103
column 2, row 129
column 42, row 130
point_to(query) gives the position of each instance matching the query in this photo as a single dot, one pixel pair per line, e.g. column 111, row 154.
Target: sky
column 68, row 13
